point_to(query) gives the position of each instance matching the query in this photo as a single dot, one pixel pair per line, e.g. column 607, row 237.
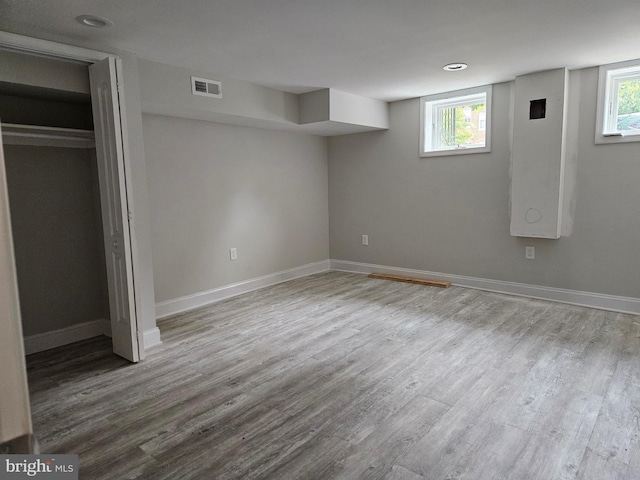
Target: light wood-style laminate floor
column 338, row 376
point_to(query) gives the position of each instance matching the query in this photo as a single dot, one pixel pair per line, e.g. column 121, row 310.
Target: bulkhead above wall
column 168, row 90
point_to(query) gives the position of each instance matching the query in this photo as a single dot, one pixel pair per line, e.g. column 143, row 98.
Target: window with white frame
column 619, row 103
column 456, row 123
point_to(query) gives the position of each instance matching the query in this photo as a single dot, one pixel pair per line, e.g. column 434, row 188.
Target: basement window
column 619, row 103
column 456, row 123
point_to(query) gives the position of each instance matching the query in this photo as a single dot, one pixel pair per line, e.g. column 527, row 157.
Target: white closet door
column 15, row 415
column 115, row 218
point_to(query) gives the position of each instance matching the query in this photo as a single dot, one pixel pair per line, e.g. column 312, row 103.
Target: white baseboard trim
column 584, row 299
column 190, row 302
column 56, row 338
column 151, row 338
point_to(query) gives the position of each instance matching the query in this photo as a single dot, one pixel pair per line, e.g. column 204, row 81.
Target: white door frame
column 67, row 52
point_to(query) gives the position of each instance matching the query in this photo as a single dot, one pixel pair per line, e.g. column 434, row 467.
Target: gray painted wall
column 451, row 214
column 54, row 201
column 213, row 187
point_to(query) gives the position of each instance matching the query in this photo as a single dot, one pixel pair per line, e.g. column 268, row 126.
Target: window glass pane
column 461, row 125
column 456, row 123
column 628, row 118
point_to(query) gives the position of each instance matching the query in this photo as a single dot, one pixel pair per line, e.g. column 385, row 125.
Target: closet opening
column 65, row 177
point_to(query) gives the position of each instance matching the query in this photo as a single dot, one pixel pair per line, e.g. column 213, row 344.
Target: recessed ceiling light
column 454, row 67
column 94, row 21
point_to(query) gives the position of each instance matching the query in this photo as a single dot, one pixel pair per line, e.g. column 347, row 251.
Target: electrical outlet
column 530, row 253
column 365, row 239
column 233, row 253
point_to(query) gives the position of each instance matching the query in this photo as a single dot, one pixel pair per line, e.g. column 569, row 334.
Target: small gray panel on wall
column 537, row 163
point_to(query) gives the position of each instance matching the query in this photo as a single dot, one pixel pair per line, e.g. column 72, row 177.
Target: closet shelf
column 15, row 134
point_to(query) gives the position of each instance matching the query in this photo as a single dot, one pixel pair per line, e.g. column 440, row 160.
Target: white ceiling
column 385, row 49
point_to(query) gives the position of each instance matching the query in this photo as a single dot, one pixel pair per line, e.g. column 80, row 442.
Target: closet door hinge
column 130, row 216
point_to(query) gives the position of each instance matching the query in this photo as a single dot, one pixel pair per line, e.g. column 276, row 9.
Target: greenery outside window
column 456, row 123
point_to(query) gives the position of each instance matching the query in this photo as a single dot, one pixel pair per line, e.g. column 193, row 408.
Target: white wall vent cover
column 207, row 88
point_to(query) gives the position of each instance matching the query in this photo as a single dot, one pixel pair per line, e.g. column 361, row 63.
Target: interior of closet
column 54, row 199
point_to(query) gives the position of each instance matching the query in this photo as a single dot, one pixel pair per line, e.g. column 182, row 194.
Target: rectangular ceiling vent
column 207, row 88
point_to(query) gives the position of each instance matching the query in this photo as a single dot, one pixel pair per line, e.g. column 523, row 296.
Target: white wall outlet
column 365, row 239
column 233, row 253
column 530, row 253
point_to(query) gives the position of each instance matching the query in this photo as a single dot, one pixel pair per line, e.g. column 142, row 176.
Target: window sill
column 607, row 138
column 456, row 151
